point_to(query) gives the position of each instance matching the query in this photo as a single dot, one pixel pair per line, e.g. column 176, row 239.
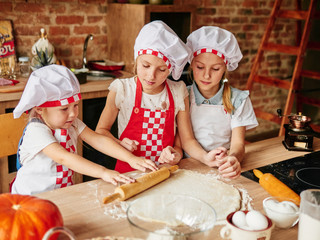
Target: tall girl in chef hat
column 149, row 106
column 220, row 114
column 47, row 150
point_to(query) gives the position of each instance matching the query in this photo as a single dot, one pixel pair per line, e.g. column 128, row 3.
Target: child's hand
column 211, row 159
column 143, row 164
column 114, row 177
column 169, row 155
column 129, row 144
column 229, row 167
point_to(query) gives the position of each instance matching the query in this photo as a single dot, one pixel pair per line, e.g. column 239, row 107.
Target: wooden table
column 83, row 212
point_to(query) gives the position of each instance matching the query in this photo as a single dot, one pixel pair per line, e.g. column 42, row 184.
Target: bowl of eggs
column 247, row 225
column 171, row 217
column 283, row 212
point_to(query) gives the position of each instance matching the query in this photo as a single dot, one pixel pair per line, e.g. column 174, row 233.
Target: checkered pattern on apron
column 153, row 129
column 64, row 174
column 152, row 133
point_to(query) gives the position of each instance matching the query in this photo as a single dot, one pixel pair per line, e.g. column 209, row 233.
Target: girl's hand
column 143, row 164
column 229, row 167
column 114, row 177
column 169, row 155
column 211, row 158
column 129, row 144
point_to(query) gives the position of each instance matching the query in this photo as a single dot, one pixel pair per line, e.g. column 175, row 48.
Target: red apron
column 154, row 130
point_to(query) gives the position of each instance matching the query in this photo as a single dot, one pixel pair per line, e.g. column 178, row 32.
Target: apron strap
column 139, row 95
column 18, row 163
column 171, row 101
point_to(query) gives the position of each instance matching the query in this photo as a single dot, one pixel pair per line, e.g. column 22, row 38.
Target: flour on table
column 223, row 197
column 115, row 238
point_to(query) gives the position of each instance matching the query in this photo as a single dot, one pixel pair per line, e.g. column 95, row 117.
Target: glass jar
column 8, row 67
column 24, row 65
column 2, row 70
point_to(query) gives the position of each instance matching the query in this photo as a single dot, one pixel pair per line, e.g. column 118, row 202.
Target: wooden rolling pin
column 142, row 183
column 275, row 187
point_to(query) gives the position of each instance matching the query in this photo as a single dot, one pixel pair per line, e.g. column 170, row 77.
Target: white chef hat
column 159, row 39
column 49, row 86
column 218, row 41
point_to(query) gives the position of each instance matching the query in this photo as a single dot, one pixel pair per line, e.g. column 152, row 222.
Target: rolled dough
column 223, row 197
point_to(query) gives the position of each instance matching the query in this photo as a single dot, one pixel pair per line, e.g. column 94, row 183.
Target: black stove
column 299, row 173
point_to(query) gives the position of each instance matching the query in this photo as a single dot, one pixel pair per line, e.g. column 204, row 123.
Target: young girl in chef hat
column 149, row 106
column 220, row 114
column 47, row 149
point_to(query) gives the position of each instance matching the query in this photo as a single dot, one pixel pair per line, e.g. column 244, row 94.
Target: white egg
column 239, row 219
column 256, row 220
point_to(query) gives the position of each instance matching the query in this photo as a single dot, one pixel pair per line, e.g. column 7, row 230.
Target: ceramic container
column 230, row 231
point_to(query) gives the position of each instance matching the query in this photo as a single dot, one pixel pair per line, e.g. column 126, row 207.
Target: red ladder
column 294, row 85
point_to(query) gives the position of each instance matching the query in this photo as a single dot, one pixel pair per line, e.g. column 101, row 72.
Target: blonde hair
column 226, row 95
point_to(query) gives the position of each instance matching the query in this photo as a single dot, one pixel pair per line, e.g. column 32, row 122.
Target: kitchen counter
column 83, row 212
column 10, row 95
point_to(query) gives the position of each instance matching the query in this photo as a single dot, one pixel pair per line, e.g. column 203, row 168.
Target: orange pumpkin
column 27, row 217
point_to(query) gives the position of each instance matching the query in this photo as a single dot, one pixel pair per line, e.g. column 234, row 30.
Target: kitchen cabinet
column 92, row 109
column 124, row 21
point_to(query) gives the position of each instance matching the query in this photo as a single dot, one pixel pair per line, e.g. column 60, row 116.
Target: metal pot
column 299, row 121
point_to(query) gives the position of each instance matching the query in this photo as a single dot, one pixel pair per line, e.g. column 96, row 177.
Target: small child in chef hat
column 220, row 114
column 149, row 106
column 47, row 149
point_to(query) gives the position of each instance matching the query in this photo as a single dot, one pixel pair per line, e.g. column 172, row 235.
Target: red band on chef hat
column 157, row 54
column 209, row 50
column 62, row 102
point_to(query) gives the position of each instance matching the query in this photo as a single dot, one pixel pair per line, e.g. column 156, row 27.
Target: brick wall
column 68, row 22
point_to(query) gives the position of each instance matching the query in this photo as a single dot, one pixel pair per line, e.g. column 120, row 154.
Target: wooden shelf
column 124, row 21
